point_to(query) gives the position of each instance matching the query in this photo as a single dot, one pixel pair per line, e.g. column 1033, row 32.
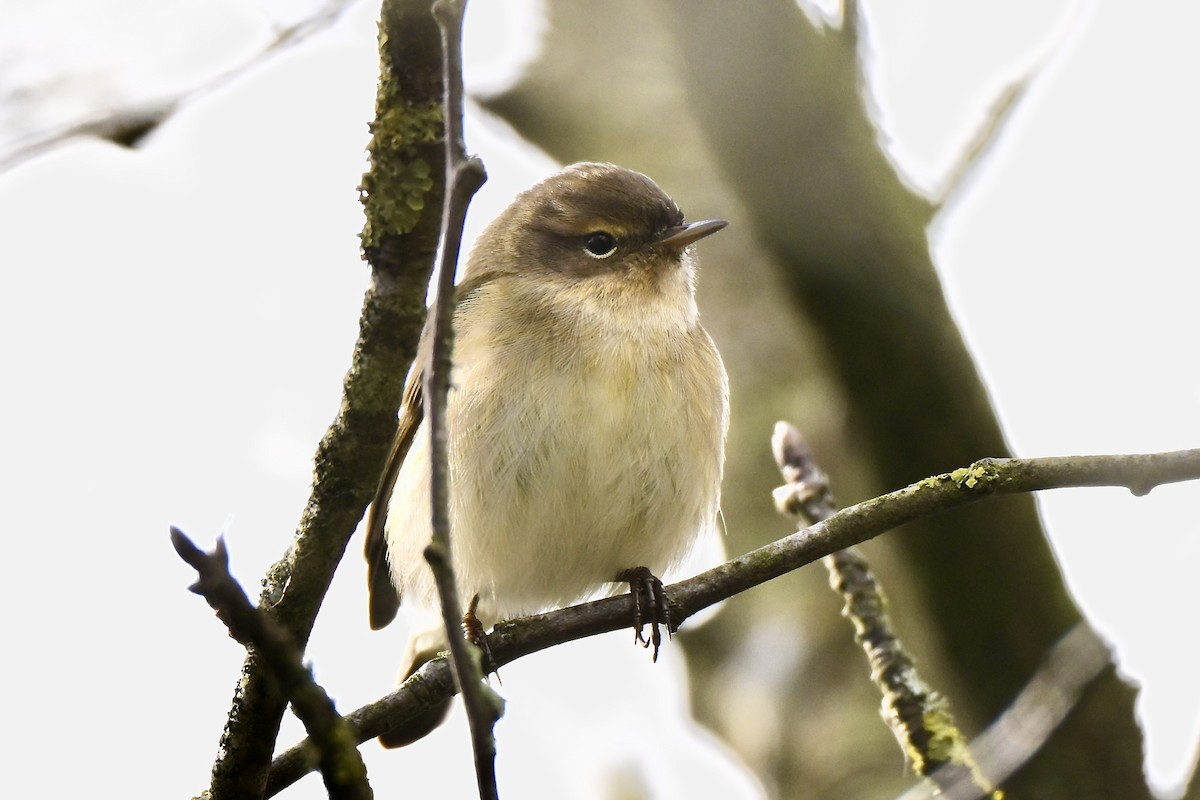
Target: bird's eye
column 600, row 244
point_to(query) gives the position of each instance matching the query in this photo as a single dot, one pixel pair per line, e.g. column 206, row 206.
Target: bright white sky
column 177, row 321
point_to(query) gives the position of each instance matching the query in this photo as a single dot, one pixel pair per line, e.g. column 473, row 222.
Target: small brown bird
column 587, row 414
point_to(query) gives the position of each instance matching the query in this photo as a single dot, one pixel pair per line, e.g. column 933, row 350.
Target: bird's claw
column 649, row 605
column 475, row 634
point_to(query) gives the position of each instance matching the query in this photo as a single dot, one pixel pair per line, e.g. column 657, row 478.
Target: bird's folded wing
column 382, row 592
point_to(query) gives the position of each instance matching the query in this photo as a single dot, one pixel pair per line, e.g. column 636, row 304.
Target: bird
column 587, row 416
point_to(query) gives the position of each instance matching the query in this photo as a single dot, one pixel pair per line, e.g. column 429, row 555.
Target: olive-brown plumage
column 587, row 413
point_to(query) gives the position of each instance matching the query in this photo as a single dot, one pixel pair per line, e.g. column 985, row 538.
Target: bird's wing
column 383, row 594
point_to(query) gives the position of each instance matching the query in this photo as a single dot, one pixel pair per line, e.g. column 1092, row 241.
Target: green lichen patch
column 978, row 475
column 395, row 189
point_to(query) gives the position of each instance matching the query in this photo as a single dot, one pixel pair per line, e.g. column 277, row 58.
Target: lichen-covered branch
column 846, row 528
column 919, row 717
column 337, row 755
column 1011, row 740
column 399, row 244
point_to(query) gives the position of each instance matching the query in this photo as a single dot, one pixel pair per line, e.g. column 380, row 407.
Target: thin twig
column 464, row 176
column 337, row 754
column 130, row 125
column 919, row 717
column 1002, row 111
column 984, row 138
column 850, row 526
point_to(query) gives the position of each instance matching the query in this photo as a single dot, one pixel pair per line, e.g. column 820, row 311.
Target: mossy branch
column 400, row 249
column 341, row 764
column 920, row 718
column 846, row 528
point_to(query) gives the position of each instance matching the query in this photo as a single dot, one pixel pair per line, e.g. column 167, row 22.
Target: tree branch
column 464, row 176
column 1074, row 662
column 129, row 126
column 919, row 717
column 850, row 526
column 402, row 198
column 337, row 757
column 1001, row 112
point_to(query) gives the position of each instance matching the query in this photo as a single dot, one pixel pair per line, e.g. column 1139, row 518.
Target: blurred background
column 178, row 318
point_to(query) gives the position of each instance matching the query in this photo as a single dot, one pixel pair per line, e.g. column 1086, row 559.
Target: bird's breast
column 580, row 448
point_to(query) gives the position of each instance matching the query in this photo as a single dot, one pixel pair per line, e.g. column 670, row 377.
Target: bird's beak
column 680, row 236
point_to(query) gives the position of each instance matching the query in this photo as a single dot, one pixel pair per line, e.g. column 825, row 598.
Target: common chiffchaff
column 586, row 416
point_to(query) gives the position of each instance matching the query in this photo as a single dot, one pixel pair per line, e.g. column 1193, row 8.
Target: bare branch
column 1001, row 112
column 919, row 717
column 1074, row 662
column 464, row 176
column 425, row 689
column 129, row 126
column 850, row 526
column 336, row 753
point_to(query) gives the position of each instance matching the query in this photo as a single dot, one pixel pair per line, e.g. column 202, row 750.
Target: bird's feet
column 649, row 605
column 473, row 630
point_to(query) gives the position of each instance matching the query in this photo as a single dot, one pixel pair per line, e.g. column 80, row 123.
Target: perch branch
column 850, row 526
